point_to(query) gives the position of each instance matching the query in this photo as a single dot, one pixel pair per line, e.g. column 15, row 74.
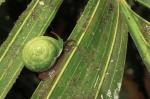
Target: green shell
column 40, row 53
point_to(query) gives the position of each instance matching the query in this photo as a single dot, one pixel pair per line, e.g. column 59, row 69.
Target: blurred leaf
column 140, row 32
column 94, row 68
column 2, row 1
column 25, row 29
column 145, row 2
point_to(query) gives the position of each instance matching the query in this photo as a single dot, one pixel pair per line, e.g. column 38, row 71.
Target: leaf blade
column 89, row 60
column 146, row 3
column 26, row 28
column 2, row 1
column 139, row 30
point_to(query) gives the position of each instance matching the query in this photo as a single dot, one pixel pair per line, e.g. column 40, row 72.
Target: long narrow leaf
column 140, row 32
column 2, row 1
column 145, row 2
column 111, row 84
column 33, row 22
column 100, row 38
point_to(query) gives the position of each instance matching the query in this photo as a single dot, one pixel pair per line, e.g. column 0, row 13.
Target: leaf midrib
column 15, row 36
column 74, row 50
column 109, row 57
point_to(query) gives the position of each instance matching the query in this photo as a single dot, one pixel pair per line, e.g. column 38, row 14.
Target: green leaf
column 94, row 67
column 2, row 1
column 140, row 32
column 111, row 84
column 145, row 2
column 33, row 22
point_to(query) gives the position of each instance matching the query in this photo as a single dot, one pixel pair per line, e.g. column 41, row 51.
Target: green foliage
column 93, row 68
column 2, row 1
column 26, row 28
column 140, row 32
column 145, row 2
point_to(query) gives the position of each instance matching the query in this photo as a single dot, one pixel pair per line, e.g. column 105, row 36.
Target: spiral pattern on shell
column 40, row 53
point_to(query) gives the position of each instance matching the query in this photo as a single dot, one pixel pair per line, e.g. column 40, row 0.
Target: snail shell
column 40, row 53
column 52, row 72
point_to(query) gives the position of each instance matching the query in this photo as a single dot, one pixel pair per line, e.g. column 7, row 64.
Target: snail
column 54, row 70
column 40, row 53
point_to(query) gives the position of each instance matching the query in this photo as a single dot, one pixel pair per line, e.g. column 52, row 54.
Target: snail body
column 52, row 72
column 40, row 53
